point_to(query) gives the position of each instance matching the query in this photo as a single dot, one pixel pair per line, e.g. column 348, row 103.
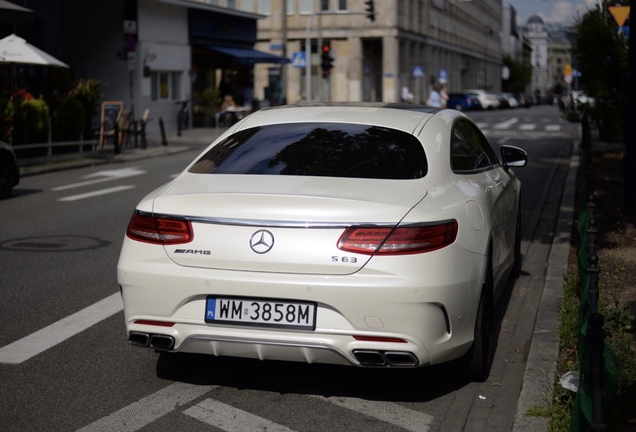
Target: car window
column 317, row 149
column 470, row 150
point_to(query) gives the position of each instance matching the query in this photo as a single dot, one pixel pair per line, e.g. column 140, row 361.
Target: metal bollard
column 163, row 132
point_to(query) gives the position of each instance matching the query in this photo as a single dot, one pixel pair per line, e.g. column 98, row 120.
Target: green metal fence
column 598, row 374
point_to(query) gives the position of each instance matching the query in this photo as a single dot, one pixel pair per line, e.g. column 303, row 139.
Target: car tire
column 479, row 357
column 6, row 178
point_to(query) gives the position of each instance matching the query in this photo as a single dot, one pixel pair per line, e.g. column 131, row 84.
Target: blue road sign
column 418, row 71
column 299, row 59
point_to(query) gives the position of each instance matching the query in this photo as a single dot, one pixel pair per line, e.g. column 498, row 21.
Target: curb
column 540, row 373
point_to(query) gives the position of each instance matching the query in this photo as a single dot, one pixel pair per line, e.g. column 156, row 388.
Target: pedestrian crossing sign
column 299, row 60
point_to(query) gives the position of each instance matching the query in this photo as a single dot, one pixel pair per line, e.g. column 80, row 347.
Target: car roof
column 406, row 117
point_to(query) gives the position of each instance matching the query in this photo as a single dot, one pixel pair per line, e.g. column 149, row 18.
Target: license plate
column 260, row 312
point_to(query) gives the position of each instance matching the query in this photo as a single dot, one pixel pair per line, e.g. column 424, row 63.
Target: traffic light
column 326, row 60
column 370, row 10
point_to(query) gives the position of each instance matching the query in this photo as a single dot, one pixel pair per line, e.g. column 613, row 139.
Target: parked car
column 508, row 100
column 9, row 170
column 463, row 102
column 355, row 234
column 487, row 100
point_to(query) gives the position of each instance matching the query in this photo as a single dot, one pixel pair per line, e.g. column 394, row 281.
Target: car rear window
column 317, row 149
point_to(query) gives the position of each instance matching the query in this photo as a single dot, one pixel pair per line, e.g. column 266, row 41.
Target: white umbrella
column 14, row 49
column 5, row 5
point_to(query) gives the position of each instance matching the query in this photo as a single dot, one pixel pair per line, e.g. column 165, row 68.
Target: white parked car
column 355, row 234
column 487, row 100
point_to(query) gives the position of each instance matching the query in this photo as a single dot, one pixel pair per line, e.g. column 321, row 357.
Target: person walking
column 407, row 96
column 434, row 98
column 443, row 94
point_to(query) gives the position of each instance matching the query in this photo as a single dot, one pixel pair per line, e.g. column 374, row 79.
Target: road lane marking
column 103, row 176
column 527, row 126
column 388, row 412
column 96, row 193
column 38, row 342
column 231, row 419
column 553, row 128
column 506, row 124
column 81, row 184
column 152, row 407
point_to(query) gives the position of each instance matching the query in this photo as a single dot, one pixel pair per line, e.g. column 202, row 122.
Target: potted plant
column 208, row 104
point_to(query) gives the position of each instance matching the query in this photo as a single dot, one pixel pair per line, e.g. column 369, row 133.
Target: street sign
column 620, row 14
column 299, row 60
column 418, row 71
column 567, row 70
column 443, row 76
column 568, row 79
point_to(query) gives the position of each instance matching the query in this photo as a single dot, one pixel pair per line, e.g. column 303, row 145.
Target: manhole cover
column 54, row 243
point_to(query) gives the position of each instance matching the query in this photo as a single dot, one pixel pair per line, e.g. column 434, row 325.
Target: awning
column 248, row 55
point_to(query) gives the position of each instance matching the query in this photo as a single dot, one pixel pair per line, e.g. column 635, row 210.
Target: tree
column 520, row 76
column 602, row 56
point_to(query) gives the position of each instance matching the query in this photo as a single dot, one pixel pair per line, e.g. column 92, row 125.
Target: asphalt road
column 65, row 364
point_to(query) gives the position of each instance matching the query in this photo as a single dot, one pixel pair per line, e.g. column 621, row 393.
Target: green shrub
column 6, row 120
column 31, row 122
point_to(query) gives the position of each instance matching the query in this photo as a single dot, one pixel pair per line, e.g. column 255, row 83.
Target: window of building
column 324, row 5
column 342, row 5
column 247, row 5
column 291, row 7
column 306, row 6
column 265, row 7
column 165, row 85
column 231, row 4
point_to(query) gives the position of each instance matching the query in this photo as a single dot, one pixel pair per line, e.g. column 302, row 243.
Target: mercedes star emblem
column 262, row 241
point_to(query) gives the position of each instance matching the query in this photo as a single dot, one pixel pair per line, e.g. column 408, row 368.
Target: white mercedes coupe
column 372, row 235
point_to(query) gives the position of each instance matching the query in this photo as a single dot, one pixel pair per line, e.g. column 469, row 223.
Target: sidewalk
column 190, row 138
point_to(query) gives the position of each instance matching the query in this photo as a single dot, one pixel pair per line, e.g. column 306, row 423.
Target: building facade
column 156, row 54
column 551, row 52
column 411, row 43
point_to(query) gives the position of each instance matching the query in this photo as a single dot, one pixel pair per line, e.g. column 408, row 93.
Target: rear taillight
column 157, row 230
column 410, row 239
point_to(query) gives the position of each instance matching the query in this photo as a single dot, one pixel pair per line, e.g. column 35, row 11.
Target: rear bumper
column 431, row 310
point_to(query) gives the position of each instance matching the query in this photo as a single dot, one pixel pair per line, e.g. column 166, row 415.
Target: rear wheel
column 479, row 357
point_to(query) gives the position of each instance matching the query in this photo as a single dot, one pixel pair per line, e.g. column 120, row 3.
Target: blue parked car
column 463, row 102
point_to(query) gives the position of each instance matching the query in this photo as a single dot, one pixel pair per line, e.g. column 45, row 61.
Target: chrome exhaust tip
column 399, row 358
column 161, row 342
column 369, row 358
column 386, row 358
column 139, row 339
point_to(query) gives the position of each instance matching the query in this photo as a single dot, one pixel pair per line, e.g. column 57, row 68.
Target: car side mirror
column 513, row 156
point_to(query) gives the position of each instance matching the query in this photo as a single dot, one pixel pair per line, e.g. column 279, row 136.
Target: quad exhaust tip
column 158, row 342
column 375, row 358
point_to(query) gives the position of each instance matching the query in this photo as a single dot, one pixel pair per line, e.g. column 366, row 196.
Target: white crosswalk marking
column 143, row 412
column 96, row 193
column 527, row 127
column 38, row 342
column 553, row 128
column 506, row 124
column 388, row 412
column 231, row 419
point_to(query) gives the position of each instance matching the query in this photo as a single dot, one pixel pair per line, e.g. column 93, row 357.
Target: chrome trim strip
column 265, row 223
column 255, row 342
